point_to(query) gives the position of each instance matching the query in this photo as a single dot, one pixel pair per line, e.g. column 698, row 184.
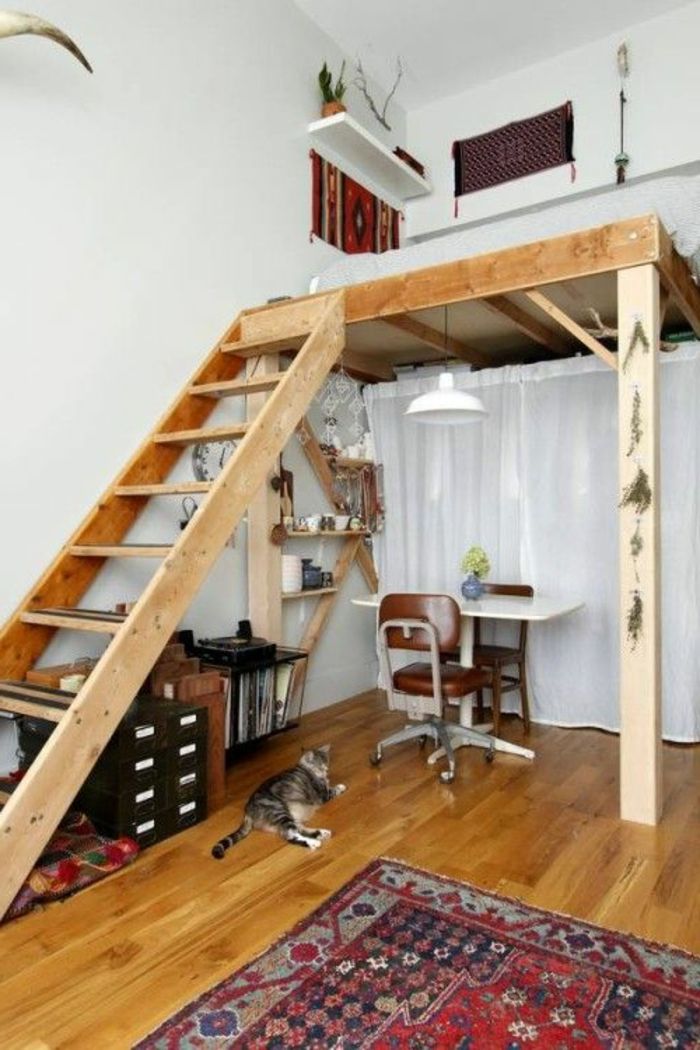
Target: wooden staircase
column 84, row 723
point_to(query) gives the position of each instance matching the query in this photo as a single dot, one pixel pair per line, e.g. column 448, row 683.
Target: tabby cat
column 283, row 802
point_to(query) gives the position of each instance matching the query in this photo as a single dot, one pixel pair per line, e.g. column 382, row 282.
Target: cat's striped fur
column 283, row 802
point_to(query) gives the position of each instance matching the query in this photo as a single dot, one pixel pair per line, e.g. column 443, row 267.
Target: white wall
column 661, row 118
column 143, row 207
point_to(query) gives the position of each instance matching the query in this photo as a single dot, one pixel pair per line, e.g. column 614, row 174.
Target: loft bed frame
column 630, row 265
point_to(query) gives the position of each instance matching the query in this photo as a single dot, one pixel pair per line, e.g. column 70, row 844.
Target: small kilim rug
column 347, row 215
column 520, row 148
column 400, row 958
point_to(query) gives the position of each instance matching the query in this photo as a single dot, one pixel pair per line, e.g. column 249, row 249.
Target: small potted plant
column 331, row 93
column 476, row 565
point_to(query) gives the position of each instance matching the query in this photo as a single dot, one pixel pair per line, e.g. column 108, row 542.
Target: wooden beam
column 323, row 472
column 367, row 367
column 52, row 781
column 264, row 557
column 630, row 242
column 281, row 322
column 678, row 281
column 589, row 341
column 324, row 606
column 527, row 324
column 437, row 340
column 602, row 249
column 640, row 567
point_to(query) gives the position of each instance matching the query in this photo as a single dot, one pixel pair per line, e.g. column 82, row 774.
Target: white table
column 493, row 607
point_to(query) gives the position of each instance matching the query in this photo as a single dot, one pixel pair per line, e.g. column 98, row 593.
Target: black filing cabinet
column 151, row 780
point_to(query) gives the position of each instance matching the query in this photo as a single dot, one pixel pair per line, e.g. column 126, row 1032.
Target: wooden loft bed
column 528, row 303
column 632, row 262
column 494, row 312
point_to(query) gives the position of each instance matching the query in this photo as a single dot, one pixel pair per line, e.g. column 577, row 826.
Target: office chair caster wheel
column 489, row 755
column 375, row 758
column 448, row 776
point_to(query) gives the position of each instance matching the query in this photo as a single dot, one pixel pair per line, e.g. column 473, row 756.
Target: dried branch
column 360, row 82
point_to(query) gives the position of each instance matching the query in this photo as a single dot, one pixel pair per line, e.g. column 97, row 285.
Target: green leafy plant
column 476, row 561
column 331, row 92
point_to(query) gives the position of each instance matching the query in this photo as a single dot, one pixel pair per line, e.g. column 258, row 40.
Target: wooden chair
column 428, row 624
column 496, row 657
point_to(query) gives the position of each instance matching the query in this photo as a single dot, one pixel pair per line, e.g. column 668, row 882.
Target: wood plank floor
column 105, row 967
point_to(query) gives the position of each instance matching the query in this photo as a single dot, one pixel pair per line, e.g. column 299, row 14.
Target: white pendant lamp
column 446, row 405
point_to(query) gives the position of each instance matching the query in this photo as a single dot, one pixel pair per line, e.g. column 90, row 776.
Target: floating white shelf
column 349, row 141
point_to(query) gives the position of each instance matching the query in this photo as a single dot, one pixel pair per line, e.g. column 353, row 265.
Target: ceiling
column 449, row 45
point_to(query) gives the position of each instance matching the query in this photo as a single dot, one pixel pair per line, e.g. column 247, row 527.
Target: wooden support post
column 640, row 547
column 264, row 557
column 324, row 607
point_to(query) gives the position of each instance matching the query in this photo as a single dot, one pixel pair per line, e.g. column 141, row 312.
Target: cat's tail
column 219, row 850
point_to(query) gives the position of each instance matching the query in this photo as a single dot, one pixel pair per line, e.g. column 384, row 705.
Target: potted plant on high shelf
column 331, row 93
column 477, row 567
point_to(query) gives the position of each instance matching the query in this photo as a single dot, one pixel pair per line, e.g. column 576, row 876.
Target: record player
column 236, row 651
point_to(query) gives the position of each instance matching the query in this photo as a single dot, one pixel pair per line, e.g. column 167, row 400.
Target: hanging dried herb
column 636, row 543
column 635, row 619
column 638, row 493
column 636, row 547
column 635, row 423
column 640, row 337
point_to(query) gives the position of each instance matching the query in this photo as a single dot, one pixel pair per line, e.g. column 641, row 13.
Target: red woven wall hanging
column 347, row 215
column 520, row 148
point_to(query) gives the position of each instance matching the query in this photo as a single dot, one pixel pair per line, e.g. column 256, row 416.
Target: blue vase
column 472, row 588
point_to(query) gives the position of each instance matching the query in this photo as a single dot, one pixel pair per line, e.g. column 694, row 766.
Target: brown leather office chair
column 496, row 657
column 427, row 623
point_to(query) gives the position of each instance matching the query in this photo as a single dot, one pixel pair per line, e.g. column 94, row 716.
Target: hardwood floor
column 105, row 967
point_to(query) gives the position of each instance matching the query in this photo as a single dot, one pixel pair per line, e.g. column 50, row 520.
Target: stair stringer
column 39, row 802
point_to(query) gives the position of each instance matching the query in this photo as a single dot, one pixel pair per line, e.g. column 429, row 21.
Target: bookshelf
column 259, row 699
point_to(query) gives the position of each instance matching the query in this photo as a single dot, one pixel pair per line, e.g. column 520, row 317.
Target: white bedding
column 675, row 199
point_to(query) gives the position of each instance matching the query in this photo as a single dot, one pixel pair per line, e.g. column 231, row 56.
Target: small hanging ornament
column 623, row 68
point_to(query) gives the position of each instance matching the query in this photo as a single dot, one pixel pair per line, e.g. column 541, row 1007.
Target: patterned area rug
column 75, row 857
column 400, row 958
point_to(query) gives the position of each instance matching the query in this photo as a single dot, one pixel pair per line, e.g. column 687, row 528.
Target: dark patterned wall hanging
column 347, row 215
column 517, row 149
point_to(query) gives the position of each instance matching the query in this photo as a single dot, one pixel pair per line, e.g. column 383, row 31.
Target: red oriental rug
column 400, row 958
column 347, row 215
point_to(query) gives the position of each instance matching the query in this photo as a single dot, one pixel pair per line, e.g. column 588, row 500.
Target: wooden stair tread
column 120, row 550
column 23, row 698
column 235, row 388
column 173, row 488
column 258, row 347
column 100, row 621
column 195, row 437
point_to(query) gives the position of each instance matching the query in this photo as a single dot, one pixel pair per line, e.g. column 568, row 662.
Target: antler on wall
column 360, row 82
column 13, row 23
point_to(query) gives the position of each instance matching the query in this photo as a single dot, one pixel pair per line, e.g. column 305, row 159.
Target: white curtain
column 536, row 485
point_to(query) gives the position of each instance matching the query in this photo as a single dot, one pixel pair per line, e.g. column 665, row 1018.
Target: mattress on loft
column 675, row 199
